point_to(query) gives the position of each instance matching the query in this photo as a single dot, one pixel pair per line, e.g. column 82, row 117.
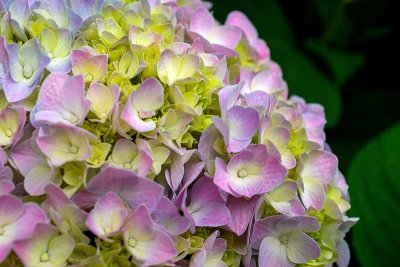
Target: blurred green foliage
column 374, row 186
column 340, row 53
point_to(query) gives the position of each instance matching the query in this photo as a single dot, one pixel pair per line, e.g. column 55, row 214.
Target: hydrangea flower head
column 147, row 133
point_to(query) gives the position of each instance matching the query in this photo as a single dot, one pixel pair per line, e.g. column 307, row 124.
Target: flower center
column 73, row 149
column 108, row 230
column 284, row 239
column 8, row 132
column 102, row 115
column 242, row 173
column 73, row 118
column 127, row 166
column 88, row 78
column 132, row 242
column 1, row 230
column 44, row 257
column 28, row 71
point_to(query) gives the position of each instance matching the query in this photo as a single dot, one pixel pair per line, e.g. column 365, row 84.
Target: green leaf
column 375, row 191
column 335, row 20
column 267, row 16
column 342, row 64
column 305, row 80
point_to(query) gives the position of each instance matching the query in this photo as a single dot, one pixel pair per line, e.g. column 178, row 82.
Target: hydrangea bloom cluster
column 143, row 133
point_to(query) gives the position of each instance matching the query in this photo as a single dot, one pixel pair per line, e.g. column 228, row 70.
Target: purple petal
column 273, row 253
column 301, row 248
column 264, row 227
column 302, row 223
column 130, row 187
column 87, row 8
column 242, row 211
column 167, row 215
column 27, row 156
column 207, row 206
column 6, row 186
column 228, row 96
column 343, row 254
column 17, row 91
column 108, row 215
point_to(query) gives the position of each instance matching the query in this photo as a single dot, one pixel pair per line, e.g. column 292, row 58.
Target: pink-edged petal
column 321, row 165
column 242, row 122
column 26, row 156
column 225, row 36
column 313, row 195
column 268, row 81
column 132, row 118
column 240, row 20
column 159, row 249
column 273, row 253
column 45, row 242
column 10, row 209
column 221, row 176
column 201, row 21
column 12, row 121
column 64, row 143
column 140, row 225
column 149, row 96
column 228, row 96
column 301, row 248
column 37, row 179
column 25, row 225
column 63, row 95
column 108, row 215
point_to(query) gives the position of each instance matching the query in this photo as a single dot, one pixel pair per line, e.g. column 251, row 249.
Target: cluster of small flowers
column 142, row 133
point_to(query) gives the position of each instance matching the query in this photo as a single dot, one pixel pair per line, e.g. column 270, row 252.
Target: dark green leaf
column 342, row 64
column 375, row 191
column 305, row 80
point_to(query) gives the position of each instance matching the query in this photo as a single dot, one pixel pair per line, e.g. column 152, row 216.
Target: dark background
column 344, row 54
